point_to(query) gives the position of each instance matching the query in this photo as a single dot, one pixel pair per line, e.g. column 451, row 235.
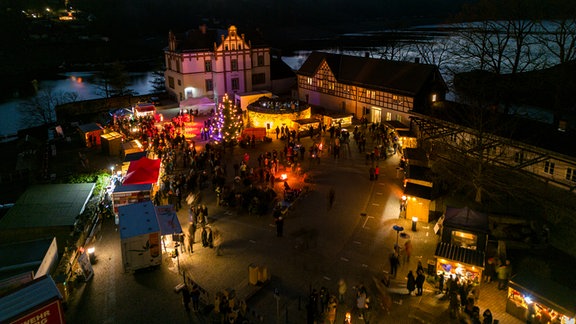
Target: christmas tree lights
column 227, row 123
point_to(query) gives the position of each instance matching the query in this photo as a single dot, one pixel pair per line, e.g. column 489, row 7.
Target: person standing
column 411, row 283
column 376, row 172
column 420, row 278
column 277, row 132
column 186, row 298
column 408, row 250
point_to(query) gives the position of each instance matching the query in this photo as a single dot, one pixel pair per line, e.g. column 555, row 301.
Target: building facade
column 202, row 63
column 379, row 90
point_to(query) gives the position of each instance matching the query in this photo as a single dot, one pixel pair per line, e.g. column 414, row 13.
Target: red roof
column 142, row 171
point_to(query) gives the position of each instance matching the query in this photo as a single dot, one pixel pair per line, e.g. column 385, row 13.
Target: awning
column 545, row 292
column 460, row 254
column 168, row 220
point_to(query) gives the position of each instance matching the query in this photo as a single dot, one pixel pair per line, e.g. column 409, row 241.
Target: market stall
column 466, row 264
column 170, row 228
column 535, row 299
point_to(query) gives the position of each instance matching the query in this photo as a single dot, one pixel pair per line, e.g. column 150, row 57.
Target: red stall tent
column 143, row 171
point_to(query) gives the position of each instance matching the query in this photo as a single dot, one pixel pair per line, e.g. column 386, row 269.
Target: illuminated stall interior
column 466, row 264
column 407, row 139
column 417, row 199
column 170, row 228
column 337, row 119
column 534, row 299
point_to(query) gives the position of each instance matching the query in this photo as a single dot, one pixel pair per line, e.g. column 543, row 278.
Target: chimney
column 367, row 54
column 417, row 60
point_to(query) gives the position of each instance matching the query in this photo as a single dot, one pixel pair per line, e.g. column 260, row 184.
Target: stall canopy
column 143, row 171
column 466, row 219
column 545, row 292
column 202, row 104
column 168, row 220
column 460, row 254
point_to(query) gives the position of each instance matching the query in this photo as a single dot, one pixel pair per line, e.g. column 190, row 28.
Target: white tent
column 203, row 105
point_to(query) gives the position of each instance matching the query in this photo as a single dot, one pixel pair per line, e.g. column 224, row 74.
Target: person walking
column 331, row 198
column 411, row 282
column 341, row 290
column 376, row 172
column 279, row 226
column 394, row 263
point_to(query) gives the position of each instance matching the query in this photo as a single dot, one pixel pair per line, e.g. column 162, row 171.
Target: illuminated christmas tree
column 227, row 123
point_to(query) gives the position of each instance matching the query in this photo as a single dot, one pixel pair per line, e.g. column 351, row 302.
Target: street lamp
column 414, row 221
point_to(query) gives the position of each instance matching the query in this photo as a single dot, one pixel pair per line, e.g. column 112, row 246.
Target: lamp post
column 414, row 221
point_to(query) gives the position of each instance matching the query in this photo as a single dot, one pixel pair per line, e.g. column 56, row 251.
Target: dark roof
column 396, row 125
column 523, row 130
column 416, row 154
column 466, row 218
column 405, row 78
column 460, row 254
column 87, row 128
column 280, row 70
column 306, row 121
column 134, row 156
column 196, row 39
column 549, row 293
column 416, row 190
column 418, row 172
column 27, row 297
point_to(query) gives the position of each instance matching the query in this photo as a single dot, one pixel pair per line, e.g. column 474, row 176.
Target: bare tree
column 558, row 36
column 40, row 109
column 114, row 81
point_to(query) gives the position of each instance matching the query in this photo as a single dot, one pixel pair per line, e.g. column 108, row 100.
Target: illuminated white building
column 205, row 63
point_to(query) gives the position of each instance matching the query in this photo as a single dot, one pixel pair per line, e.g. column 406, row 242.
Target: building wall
column 233, row 67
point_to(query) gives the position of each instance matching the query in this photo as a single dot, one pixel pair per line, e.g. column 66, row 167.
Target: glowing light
column 414, row 219
column 528, row 300
column 284, row 176
column 91, row 250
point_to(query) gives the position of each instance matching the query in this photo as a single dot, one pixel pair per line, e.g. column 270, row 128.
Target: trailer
column 139, row 236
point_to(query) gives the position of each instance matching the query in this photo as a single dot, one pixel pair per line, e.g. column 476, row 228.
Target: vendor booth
column 464, row 236
column 170, row 227
column 417, row 201
column 38, row 301
column 133, row 146
column 534, row 299
column 466, row 264
column 144, row 110
column 90, row 134
column 337, row 119
column 111, row 143
column 407, row 139
column 197, row 106
column 130, row 194
column 143, row 171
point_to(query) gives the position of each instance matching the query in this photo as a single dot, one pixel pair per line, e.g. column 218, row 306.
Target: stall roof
column 132, row 188
column 143, row 171
column 31, row 295
column 396, row 125
column 416, row 190
column 48, row 205
column 168, row 220
column 306, row 121
column 415, row 154
column 466, row 218
column 91, row 127
column 23, row 256
column 418, row 172
column 134, row 156
column 137, row 219
column 546, row 292
column 460, row 254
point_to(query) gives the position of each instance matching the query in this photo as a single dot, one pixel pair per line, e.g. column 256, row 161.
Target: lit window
column 434, row 98
column 309, row 81
column 571, row 174
column 549, row 167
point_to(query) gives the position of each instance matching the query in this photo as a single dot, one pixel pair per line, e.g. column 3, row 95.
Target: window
column 209, row 85
column 235, row 84
column 259, row 78
column 370, row 94
column 434, row 97
column 171, row 82
column 519, row 157
column 571, row 174
column 309, row 81
column 260, row 60
column 549, row 167
column 234, row 65
column 179, row 82
column 207, row 66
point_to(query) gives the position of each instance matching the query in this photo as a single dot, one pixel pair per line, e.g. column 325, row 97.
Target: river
column 82, row 83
